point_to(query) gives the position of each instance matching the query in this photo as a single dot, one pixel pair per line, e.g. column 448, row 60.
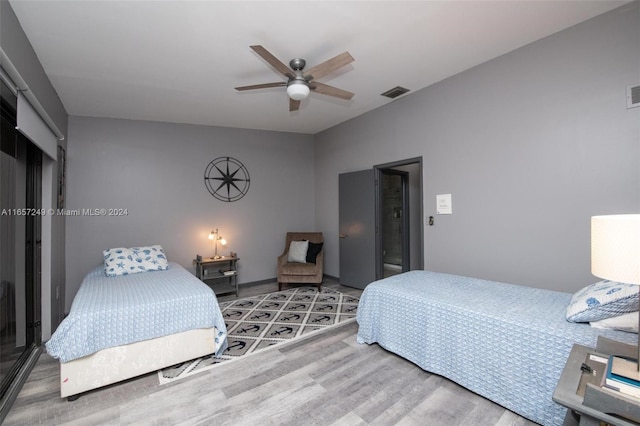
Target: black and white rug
column 259, row 322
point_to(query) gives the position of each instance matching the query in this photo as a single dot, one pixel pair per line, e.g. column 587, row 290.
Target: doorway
column 394, row 221
column 361, row 209
column 399, row 217
column 20, row 252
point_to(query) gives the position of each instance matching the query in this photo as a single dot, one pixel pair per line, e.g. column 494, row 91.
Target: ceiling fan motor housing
column 297, row 64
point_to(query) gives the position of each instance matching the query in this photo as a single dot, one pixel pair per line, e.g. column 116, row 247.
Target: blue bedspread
column 115, row 311
column 505, row 342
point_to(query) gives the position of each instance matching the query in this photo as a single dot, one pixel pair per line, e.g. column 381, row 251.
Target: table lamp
column 615, row 252
column 215, row 236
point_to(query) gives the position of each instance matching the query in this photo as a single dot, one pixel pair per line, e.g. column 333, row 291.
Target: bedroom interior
column 523, row 117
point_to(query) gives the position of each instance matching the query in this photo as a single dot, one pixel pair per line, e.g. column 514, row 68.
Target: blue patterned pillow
column 125, row 261
column 604, row 299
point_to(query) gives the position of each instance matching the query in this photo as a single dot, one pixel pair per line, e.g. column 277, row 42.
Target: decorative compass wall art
column 227, row 179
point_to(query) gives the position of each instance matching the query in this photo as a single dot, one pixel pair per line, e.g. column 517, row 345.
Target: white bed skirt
column 119, row 363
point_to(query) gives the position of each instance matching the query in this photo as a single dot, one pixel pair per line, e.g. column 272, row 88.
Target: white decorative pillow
column 601, row 300
column 298, row 251
column 625, row 322
column 125, row 261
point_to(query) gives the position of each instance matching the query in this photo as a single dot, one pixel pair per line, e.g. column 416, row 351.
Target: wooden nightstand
column 219, row 274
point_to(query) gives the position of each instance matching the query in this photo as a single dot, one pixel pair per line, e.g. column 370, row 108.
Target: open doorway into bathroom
column 399, row 217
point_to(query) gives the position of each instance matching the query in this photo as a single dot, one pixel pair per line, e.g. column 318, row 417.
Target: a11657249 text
column 64, row 212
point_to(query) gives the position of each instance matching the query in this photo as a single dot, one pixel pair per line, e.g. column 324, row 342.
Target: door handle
column 343, row 235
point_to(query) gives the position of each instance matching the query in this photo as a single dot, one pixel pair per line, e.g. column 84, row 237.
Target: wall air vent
column 395, row 92
column 633, row 96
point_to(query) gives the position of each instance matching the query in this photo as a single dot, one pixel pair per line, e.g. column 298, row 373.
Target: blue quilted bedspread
column 505, row 342
column 114, row 311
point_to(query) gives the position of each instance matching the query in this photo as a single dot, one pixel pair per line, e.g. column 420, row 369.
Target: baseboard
column 260, row 282
column 275, row 280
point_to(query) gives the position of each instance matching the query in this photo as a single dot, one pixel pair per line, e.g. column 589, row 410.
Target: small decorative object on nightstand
column 215, row 236
column 220, row 273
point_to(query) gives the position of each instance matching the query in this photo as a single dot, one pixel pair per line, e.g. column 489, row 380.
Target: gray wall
column 530, row 145
column 15, row 45
column 156, row 171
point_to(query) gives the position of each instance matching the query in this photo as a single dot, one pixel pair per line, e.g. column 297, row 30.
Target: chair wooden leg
column 279, row 286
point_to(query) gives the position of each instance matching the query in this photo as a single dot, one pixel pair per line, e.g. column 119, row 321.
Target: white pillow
column 125, row 261
column 601, row 300
column 626, row 322
column 298, row 251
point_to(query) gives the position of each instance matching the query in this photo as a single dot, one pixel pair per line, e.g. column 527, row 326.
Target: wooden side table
column 588, row 404
column 220, row 274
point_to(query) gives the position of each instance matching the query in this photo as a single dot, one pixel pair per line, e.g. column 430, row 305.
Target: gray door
column 357, row 228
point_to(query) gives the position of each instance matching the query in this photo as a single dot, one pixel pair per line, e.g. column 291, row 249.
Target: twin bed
column 124, row 326
column 505, row 342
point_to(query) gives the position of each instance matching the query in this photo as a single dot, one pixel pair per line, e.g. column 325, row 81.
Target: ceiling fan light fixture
column 298, row 90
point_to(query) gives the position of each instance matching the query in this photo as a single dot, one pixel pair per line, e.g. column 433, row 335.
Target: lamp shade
column 615, row 247
column 297, row 90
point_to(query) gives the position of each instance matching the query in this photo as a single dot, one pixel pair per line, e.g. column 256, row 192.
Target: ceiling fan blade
column 330, row 65
column 262, row 86
column 273, row 61
column 294, row 105
column 325, row 89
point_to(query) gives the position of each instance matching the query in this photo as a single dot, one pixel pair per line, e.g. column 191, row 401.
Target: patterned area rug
column 260, row 322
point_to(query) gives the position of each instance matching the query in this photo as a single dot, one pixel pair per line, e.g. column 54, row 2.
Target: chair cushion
column 299, row 269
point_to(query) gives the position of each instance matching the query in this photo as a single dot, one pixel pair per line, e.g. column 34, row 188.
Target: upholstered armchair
column 297, row 271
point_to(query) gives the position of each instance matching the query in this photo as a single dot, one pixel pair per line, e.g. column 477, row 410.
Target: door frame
column 378, row 170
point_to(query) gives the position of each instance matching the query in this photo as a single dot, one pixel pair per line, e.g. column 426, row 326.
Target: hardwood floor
column 326, row 379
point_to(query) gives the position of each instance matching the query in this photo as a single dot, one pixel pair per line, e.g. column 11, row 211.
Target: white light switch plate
column 443, row 204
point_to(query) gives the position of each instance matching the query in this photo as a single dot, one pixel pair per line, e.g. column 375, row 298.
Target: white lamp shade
column 615, row 247
column 297, row 91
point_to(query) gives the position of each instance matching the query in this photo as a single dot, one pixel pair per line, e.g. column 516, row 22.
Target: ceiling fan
column 300, row 83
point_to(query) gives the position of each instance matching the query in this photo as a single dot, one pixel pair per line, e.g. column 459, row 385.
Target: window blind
column 32, row 126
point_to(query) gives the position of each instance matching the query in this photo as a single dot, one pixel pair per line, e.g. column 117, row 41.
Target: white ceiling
column 178, row 61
